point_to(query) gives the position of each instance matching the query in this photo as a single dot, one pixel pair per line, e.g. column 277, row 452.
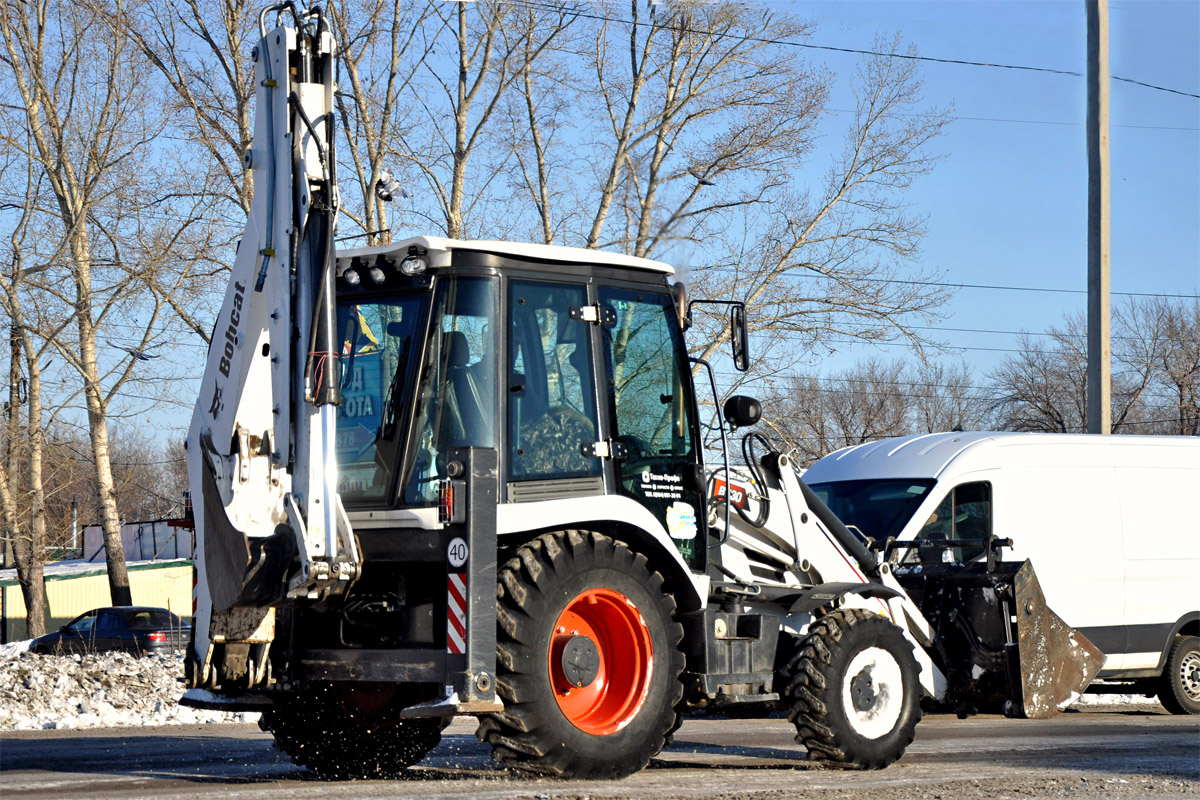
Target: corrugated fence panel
column 163, row 584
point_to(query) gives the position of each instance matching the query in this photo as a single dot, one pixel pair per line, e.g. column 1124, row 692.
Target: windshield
column 879, row 509
column 380, row 341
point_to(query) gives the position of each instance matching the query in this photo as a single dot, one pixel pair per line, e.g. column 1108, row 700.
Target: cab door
column 650, row 405
column 551, row 395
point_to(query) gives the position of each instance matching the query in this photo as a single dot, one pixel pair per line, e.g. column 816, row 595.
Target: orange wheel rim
column 624, row 657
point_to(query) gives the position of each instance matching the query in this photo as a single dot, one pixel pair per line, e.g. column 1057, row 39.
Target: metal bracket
column 318, row 579
column 606, row 448
column 595, row 314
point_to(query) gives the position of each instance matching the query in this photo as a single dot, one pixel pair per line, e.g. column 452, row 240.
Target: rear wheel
column 350, row 731
column 588, row 659
column 1179, row 686
column 854, row 691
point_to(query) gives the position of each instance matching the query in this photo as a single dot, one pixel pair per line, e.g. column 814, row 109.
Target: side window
column 551, row 396
column 108, row 623
column 84, row 625
column 965, row 513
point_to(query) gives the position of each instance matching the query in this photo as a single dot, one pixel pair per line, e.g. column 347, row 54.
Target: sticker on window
column 681, row 520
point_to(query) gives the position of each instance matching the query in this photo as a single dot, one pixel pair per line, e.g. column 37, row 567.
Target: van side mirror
column 739, row 338
column 742, row 411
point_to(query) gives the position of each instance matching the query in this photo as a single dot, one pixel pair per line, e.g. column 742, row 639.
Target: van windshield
column 877, row 508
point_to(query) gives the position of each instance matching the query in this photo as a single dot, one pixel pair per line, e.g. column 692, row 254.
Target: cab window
column 551, row 392
column 964, row 513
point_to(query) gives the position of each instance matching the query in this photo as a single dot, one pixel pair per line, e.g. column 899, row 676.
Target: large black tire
column 1179, row 686
column 333, row 736
column 558, row 586
column 843, row 691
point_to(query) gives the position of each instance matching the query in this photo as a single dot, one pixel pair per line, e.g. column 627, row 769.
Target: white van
column 1111, row 524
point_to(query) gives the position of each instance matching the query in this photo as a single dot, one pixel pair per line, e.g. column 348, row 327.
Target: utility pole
column 1099, row 377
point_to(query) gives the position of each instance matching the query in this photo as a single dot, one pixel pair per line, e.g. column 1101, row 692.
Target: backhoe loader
column 439, row 477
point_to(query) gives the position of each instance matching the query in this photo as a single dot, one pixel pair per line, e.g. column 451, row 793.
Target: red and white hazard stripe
column 456, row 613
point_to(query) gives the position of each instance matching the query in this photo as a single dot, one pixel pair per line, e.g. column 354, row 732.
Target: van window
column 964, row 513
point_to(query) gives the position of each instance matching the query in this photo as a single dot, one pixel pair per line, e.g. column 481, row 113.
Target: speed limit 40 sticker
column 457, row 552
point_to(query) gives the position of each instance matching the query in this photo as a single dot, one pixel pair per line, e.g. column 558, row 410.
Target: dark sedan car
column 131, row 629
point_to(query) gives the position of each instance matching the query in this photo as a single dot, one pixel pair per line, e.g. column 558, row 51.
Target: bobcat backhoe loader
column 441, row 477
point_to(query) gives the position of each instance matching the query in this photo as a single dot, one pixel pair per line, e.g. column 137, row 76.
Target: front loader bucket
column 1057, row 662
column 1002, row 649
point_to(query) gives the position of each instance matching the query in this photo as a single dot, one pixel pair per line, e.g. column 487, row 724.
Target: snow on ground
column 105, row 690
column 111, row 690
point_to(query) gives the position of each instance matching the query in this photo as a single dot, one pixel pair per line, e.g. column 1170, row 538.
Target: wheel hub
column 580, row 661
column 601, row 661
column 873, row 692
column 1190, row 674
column 862, row 691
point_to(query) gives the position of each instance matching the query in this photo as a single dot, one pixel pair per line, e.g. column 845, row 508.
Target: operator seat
column 463, row 396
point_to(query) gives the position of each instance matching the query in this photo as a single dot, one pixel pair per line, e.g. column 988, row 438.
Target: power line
column 1032, row 121
column 1045, row 289
column 857, row 51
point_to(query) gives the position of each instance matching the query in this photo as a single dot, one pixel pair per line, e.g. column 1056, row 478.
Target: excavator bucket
column 1003, row 650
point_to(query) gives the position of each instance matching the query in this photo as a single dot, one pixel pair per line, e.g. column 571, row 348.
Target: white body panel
column 578, row 511
column 1108, row 522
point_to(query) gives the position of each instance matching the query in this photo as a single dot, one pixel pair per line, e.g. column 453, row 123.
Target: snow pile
column 106, row 690
column 1116, row 700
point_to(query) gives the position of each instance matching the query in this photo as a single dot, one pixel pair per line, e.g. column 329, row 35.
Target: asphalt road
column 1128, row 754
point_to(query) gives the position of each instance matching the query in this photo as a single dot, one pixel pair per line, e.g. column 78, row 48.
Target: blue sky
column 1007, row 206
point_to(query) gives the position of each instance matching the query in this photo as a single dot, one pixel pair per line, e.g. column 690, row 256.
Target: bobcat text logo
column 231, row 332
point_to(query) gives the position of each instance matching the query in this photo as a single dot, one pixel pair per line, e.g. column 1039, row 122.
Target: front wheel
column 1179, row 687
column 854, row 691
column 588, row 659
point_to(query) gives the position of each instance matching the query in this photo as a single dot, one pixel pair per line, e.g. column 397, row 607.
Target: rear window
column 877, row 508
column 146, row 619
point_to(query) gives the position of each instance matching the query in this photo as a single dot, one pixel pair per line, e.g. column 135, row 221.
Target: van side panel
column 1065, row 517
column 1159, row 490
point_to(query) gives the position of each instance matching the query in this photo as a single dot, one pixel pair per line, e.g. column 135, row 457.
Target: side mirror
column 739, row 339
column 742, row 411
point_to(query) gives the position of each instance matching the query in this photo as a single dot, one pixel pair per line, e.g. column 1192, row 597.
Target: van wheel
column 1179, row 690
column 588, row 659
column 352, row 731
column 854, row 691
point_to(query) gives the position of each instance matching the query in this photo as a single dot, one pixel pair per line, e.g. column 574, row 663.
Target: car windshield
column 879, row 509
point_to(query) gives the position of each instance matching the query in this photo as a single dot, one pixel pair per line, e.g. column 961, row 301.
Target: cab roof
column 440, row 250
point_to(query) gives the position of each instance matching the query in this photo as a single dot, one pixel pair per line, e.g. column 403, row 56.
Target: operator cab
column 572, row 367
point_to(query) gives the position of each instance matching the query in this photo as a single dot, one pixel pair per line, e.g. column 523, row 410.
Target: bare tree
column 112, row 226
column 1179, row 366
column 824, row 268
column 814, row 416
column 700, row 113
column 1155, row 374
column 946, row 397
